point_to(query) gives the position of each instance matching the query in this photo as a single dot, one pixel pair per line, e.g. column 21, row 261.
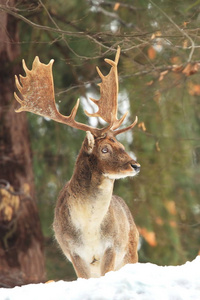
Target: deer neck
column 88, row 184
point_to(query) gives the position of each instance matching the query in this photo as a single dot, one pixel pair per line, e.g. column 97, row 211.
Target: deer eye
column 104, row 150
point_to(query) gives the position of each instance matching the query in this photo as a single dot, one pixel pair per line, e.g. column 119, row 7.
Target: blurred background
column 159, row 81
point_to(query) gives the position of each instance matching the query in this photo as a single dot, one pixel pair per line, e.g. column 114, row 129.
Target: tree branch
column 12, row 11
column 179, row 29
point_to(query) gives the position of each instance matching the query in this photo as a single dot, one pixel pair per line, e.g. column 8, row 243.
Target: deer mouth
column 129, row 169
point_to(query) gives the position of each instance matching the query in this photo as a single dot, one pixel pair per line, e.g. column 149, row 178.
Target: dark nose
column 136, row 167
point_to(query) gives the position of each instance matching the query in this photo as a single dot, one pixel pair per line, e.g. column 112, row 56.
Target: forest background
column 159, row 81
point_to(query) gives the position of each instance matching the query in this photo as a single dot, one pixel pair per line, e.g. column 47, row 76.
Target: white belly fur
column 87, row 216
column 93, row 247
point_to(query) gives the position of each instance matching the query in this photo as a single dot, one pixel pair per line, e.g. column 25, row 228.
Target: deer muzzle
column 135, row 166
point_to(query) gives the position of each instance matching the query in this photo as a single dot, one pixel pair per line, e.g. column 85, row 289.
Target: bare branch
column 12, row 11
column 179, row 29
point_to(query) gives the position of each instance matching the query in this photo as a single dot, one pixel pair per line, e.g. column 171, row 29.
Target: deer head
column 37, row 91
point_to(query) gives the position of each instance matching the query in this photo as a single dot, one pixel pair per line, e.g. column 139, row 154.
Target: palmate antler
column 37, row 90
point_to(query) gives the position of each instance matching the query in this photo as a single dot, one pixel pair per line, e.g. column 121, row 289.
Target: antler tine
column 107, row 104
column 115, row 62
column 37, row 91
column 119, row 131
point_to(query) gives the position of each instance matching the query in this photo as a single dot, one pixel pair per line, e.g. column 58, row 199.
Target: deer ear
column 89, row 142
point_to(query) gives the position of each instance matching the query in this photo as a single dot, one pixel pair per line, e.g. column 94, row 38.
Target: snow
column 133, row 282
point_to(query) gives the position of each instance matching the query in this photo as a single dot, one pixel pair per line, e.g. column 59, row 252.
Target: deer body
column 94, row 228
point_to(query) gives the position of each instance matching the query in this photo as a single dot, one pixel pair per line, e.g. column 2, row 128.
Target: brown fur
column 94, row 228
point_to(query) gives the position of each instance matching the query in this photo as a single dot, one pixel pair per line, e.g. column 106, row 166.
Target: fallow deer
column 93, row 227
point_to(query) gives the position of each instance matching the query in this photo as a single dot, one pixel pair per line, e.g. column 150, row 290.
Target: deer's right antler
column 37, row 91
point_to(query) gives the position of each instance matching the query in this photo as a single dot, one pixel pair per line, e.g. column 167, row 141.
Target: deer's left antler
column 108, row 103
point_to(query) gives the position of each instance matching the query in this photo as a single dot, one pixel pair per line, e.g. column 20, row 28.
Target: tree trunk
column 21, row 241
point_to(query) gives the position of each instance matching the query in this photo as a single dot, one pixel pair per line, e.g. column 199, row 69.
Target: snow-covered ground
column 132, row 282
